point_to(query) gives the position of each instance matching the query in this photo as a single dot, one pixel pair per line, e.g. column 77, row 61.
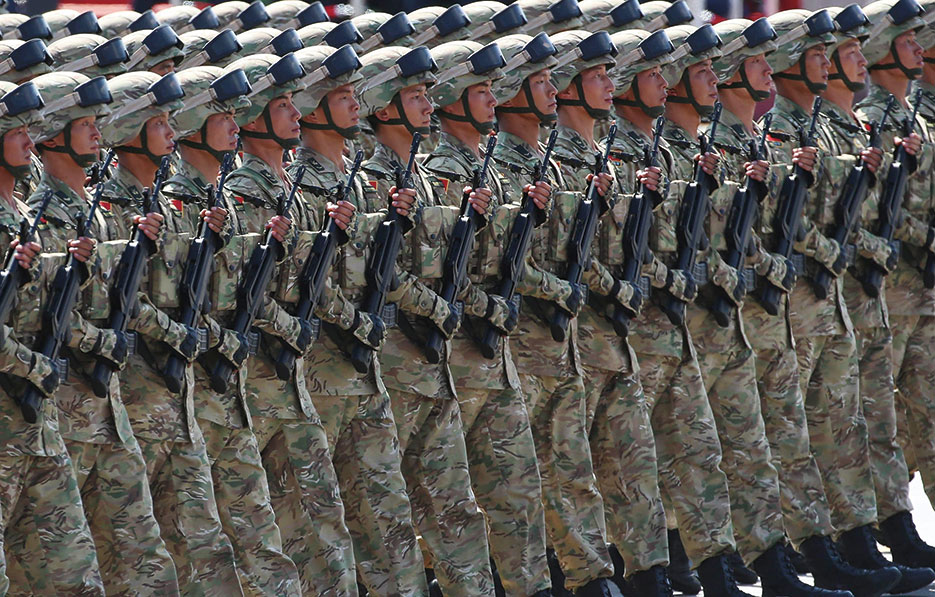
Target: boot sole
column 863, row 591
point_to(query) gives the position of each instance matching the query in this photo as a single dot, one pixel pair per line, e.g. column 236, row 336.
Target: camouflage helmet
column 123, row 22
column 285, row 14
column 525, row 56
column 926, row 35
column 208, row 90
column 206, row 46
column 462, row 64
column 551, row 16
column 23, row 60
column 493, row 20
column 185, row 17
column 578, row 51
column 610, row 15
column 17, row 26
column 89, row 54
column 890, row 18
column 266, row 40
column 850, row 23
column 149, row 48
column 64, row 22
column 138, row 96
column 380, row 29
column 20, row 105
column 328, row 69
column 799, row 30
column 386, row 72
column 659, row 15
column 742, row 39
column 436, row 25
column 692, row 45
column 240, row 16
column 638, row 50
column 68, row 97
column 270, row 77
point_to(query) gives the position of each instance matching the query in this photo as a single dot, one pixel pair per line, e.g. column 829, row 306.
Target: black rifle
column 847, row 208
column 459, row 250
column 582, row 236
column 56, row 314
column 381, row 268
column 193, row 289
column 253, row 288
column 316, row 270
column 636, row 233
column 123, row 293
column 13, row 275
column 739, row 229
column 792, row 197
column 891, row 201
column 690, row 228
column 513, row 263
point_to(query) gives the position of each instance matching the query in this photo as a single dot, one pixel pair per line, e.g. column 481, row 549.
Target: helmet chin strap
column 853, row 86
column 910, row 73
column 348, row 132
column 83, row 160
column 286, row 144
column 744, row 83
column 403, row 119
column 652, row 111
column 595, row 113
column 143, row 149
column 689, row 98
column 18, row 172
column 815, row 87
column 530, row 108
column 481, row 127
column 203, row 145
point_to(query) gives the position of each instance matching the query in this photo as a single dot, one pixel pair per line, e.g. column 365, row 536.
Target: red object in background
column 103, row 7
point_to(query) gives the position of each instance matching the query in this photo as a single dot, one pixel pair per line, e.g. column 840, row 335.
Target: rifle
column 193, row 289
column 123, row 293
column 381, row 268
column 891, row 202
column 13, row 275
column 847, row 208
column 582, row 236
column 252, row 290
column 514, row 259
column 690, row 231
column 316, row 270
column 636, row 233
column 739, row 229
column 459, row 250
column 792, row 197
column 56, row 315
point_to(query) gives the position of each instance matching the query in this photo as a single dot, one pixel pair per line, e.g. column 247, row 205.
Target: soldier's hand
column 709, row 162
column 234, row 347
column 279, row 226
column 403, row 200
column 111, row 345
column 873, row 158
column 573, row 298
column 214, row 218
column 44, row 374
column 757, row 170
column 781, row 272
column 912, row 143
column 651, row 177
column 540, row 193
column 82, row 248
column 149, row 224
column 342, row 213
column 479, row 199
column 501, row 313
column 681, row 285
column 729, row 279
column 24, row 254
column 805, row 157
column 604, row 182
column 445, row 317
column 369, row 329
column 628, row 295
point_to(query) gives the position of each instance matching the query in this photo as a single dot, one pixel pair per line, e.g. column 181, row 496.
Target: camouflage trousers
column 119, row 507
column 184, row 504
column 367, row 459
column 914, row 368
column 890, row 475
column 574, row 508
column 805, row 509
column 688, row 452
column 505, row 476
column 303, row 489
column 50, row 549
column 624, row 454
column 246, row 514
column 444, row 509
column 837, row 432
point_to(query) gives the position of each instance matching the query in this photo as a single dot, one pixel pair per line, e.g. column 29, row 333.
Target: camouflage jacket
column 810, row 316
column 906, row 294
column 453, row 164
column 185, row 197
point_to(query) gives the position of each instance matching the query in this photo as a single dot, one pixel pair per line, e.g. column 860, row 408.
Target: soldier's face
column 852, row 61
column 85, row 136
column 908, row 50
column 222, row 131
column 653, row 87
column 164, row 68
column 817, row 64
column 416, row 104
column 284, row 116
column 597, row 86
column 481, row 102
column 759, row 73
column 543, row 92
column 17, row 146
column 159, row 135
column 703, row 83
column 344, row 107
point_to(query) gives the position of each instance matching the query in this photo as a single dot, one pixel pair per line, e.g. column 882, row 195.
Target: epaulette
column 731, row 149
column 779, row 136
column 623, row 156
column 186, row 198
column 680, row 143
column 515, row 168
column 573, row 162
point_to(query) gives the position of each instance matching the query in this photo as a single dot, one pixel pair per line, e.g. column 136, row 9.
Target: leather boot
column 649, row 583
column 903, row 539
column 717, row 579
column 831, row 571
column 596, row 588
column 742, row 574
column 860, row 549
column 679, row 571
column 778, row 577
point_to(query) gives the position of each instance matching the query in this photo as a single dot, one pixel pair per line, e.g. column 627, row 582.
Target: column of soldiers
column 489, row 300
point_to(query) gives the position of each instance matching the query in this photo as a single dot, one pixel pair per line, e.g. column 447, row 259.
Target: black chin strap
column 911, row 73
column 815, row 88
column 530, row 108
column 270, row 134
column 689, row 97
column 82, row 159
column 203, row 144
column 481, row 127
column 18, row 172
column 404, row 119
column 143, row 149
column 639, row 103
column 349, row 132
column 595, row 113
column 744, row 83
column 854, row 86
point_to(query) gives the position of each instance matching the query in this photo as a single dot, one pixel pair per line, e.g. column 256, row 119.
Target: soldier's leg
column 306, row 498
column 246, row 515
column 505, row 477
column 574, row 509
column 805, row 508
column 444, row 508
column 377, row 509
column 186, row 509
column 624, row 453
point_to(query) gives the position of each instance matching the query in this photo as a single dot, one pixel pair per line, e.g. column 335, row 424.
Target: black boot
column 903, row 539
column 619, row 577
column 542, row 593
column 679, row 571
column 860, row 549
column 742, row 574
column 831, row 571
column 798, row 560
column 498, row 590
column 779, row 577
column 556, row 574
column 595, row 588
column 649, row 583
column 717, row 579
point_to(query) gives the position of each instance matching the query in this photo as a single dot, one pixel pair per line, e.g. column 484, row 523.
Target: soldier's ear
column 568, row 93
column 384, row 114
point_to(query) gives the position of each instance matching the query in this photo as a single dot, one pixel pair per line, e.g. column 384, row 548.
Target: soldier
column 64, row 22
column 123, row 22
column 428, row 420
column 158, row 51
column 354, row 408
column 39, row 490
column 207, row 47
column 894, row 59
column 550, row 371
column 90, row 55
column 238, row 16
column 207, row 131
column 23, row 60
column 185, row 17
column 501, row 451
column 284, row 14
column 108, row 462
column 266, row 40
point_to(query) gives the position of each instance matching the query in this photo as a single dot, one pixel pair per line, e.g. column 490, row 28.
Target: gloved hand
column 300, row 337
column 570, row 298
column 780, row 272
column 111, row 345
column 445, row 317
column 501, row 313
column 184, row 340
column 681, row 285
column 728, row 279
column 628, row 295
column 234, row 347
column 44, row 374
column 829, row 254
column 369, row 329
column 885, row 254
